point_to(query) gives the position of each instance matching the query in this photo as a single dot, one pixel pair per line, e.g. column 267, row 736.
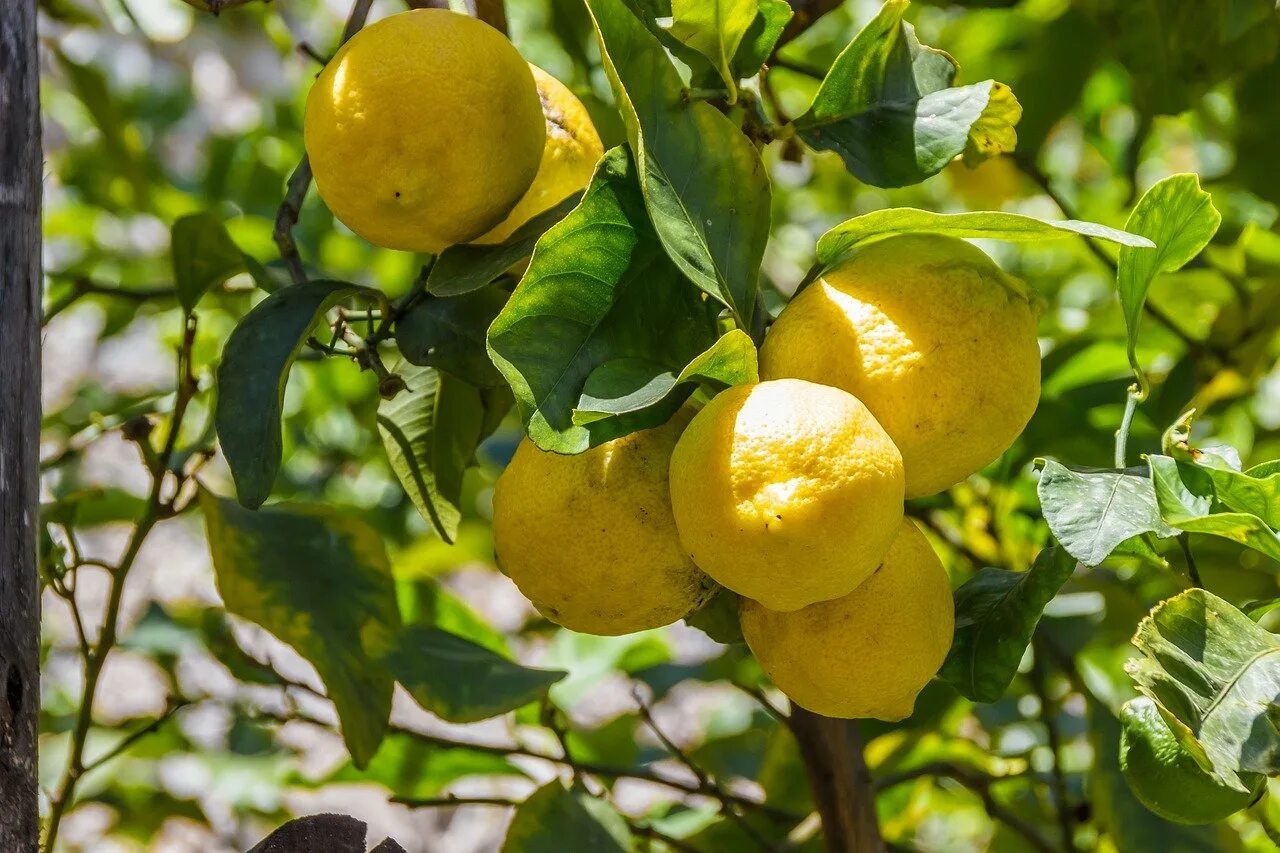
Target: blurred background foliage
column 157, row 109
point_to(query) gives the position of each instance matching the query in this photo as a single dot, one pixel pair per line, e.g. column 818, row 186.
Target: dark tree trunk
column 20, row 173
column 841, row 783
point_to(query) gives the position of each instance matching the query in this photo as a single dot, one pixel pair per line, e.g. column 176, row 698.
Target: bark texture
column 20, row 172
column 841, row 783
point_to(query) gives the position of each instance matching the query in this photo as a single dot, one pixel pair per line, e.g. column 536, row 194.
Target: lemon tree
column 716, row 425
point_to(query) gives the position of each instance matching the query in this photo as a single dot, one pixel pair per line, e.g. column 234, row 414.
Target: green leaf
column 1179, row 218
column 996, row 613
column 599, row 288
column 1186, row 497
column 627, row 385
column 319, row 580
column 886, row 106
column 718, row 618
column 836, row 244
column 555, row 819
column 761, row 37
column 715, row 29
column 1091, row 511
column 703, row 182
column 449, row 333
column 1216, row 676
column 252, row 376
column 462, row 682
column 427, row 603
column 1246, row 492
column 411, row 767
column 430, row 432
column 470, row 266
column 204, row 257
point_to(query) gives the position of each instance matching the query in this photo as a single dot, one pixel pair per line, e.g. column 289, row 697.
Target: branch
column 300, row 180
column 84, row 286
column 840, row 781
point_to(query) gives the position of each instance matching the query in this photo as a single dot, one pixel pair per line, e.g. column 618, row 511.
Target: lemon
column 590, row 540
column 1166, row 778
column 933, row 337
column 424, row 130
column 568, row 159
column 870, row 652
column 787, row 492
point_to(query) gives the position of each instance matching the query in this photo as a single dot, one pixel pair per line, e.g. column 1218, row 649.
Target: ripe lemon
column 936, row 339
column 786, row 492
column 590, row 540
column 568, row 159
column 1166, row 778
column 424, row 130
column 870, row 652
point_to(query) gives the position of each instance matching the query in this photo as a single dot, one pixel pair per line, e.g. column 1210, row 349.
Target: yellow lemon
column 786, row 492
column 936, row 339
column 1165, row 777
column 568, row 159
column 424, row 130
column 869, row 653
column 590, row 540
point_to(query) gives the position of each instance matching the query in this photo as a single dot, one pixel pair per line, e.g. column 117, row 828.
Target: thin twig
column 1192, row 572
column 135, row 736
column 764, row 702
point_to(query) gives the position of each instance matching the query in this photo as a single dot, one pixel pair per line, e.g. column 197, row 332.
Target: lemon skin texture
column 424, row 130
column 933, row 337
column 569, row 156
column 787, row 492
column 1166, row 779
column 869, row 653
column 589, row 539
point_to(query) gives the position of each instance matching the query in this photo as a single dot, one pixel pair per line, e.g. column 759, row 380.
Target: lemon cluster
column 428, row 129
column 898, row 374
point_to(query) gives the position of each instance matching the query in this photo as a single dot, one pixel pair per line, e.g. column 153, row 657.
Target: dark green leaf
column 599, row 288
column 203, row 257
column 996, row 613
column 1186, row 496
column 252, row 376
column 627, row 385
column 1180, row 219
column 430, row 432
column 463, row 268
column 461, row 682
column 555, row 819
column 449, row 333
column 836, row 244
column 319, row 580
column 718, row 618
column 887, row 107
column 702, row 179
column 1091, row 511
column 1216, row 677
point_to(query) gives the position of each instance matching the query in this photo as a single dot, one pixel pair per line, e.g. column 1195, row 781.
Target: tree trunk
column 842, row 789
column 20, row 174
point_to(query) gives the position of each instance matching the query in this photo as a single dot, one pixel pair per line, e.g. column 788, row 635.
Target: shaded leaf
column 599, row 289
column 470, row 266
column 718, row 618
column 319, row 580
column 836, row 244
column 1216, row 676
column 430, row 432
column 449, row 333
column 1186, row 496
column 411, row 767
column 996, row 613
column 204, row 257
column 555, row 819
column 429, row 604
column 625, row 385
column 1180, row 219
column 1092, row 511
column 703, row 183
column 761, row 37
column 252, row 376
column 462, row 682
column 886, row 106
column 715, row 29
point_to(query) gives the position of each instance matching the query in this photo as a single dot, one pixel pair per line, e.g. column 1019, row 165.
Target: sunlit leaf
column 996, row 613
column 412, row 767
column 714, row 28
column 319, row 580
column 252, row 376
column 836, row 244
column 703, row 182
column 555, row 819
column 761, row 37
column 1091, row 511
column 1186, row 495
